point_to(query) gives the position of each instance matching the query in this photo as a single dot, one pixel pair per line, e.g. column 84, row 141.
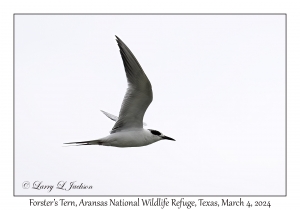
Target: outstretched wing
column 139, row 92
column 113, row 117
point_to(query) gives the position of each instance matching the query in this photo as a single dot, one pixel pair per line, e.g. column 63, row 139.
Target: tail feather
column 81, row 143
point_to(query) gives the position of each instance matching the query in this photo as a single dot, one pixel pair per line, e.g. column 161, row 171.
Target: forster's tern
column 128, row 130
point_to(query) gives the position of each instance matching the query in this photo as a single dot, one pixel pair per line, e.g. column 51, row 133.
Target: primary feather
column 139, row 92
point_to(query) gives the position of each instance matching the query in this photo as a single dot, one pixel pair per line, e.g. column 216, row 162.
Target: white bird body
column 128, row 138
column 128, row 130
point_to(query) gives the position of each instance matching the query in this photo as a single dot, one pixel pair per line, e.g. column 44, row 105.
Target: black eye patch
column 154, row 132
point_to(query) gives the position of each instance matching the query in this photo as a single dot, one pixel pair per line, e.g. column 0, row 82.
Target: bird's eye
column 154, row 132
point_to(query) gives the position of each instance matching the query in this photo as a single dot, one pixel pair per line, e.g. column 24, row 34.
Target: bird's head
column 160, row 135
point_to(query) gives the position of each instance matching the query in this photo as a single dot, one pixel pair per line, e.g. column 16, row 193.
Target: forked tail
column 81, row 143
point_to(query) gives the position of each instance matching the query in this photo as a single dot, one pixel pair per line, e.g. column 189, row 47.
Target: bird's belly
column 127, row 140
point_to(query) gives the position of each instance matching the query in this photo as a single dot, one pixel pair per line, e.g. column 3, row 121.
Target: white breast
column 130, row 138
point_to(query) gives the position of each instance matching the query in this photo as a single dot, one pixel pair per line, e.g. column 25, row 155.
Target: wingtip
column 119, row 41
column 117, row 38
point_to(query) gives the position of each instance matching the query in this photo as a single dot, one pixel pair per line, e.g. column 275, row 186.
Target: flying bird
column 128, row 130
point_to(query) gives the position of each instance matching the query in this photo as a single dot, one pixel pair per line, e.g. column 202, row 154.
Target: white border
column 219, row 6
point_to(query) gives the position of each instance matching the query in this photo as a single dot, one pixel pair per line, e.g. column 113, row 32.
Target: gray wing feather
column 113, row 117
column 110, row 116
column 139, row 92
